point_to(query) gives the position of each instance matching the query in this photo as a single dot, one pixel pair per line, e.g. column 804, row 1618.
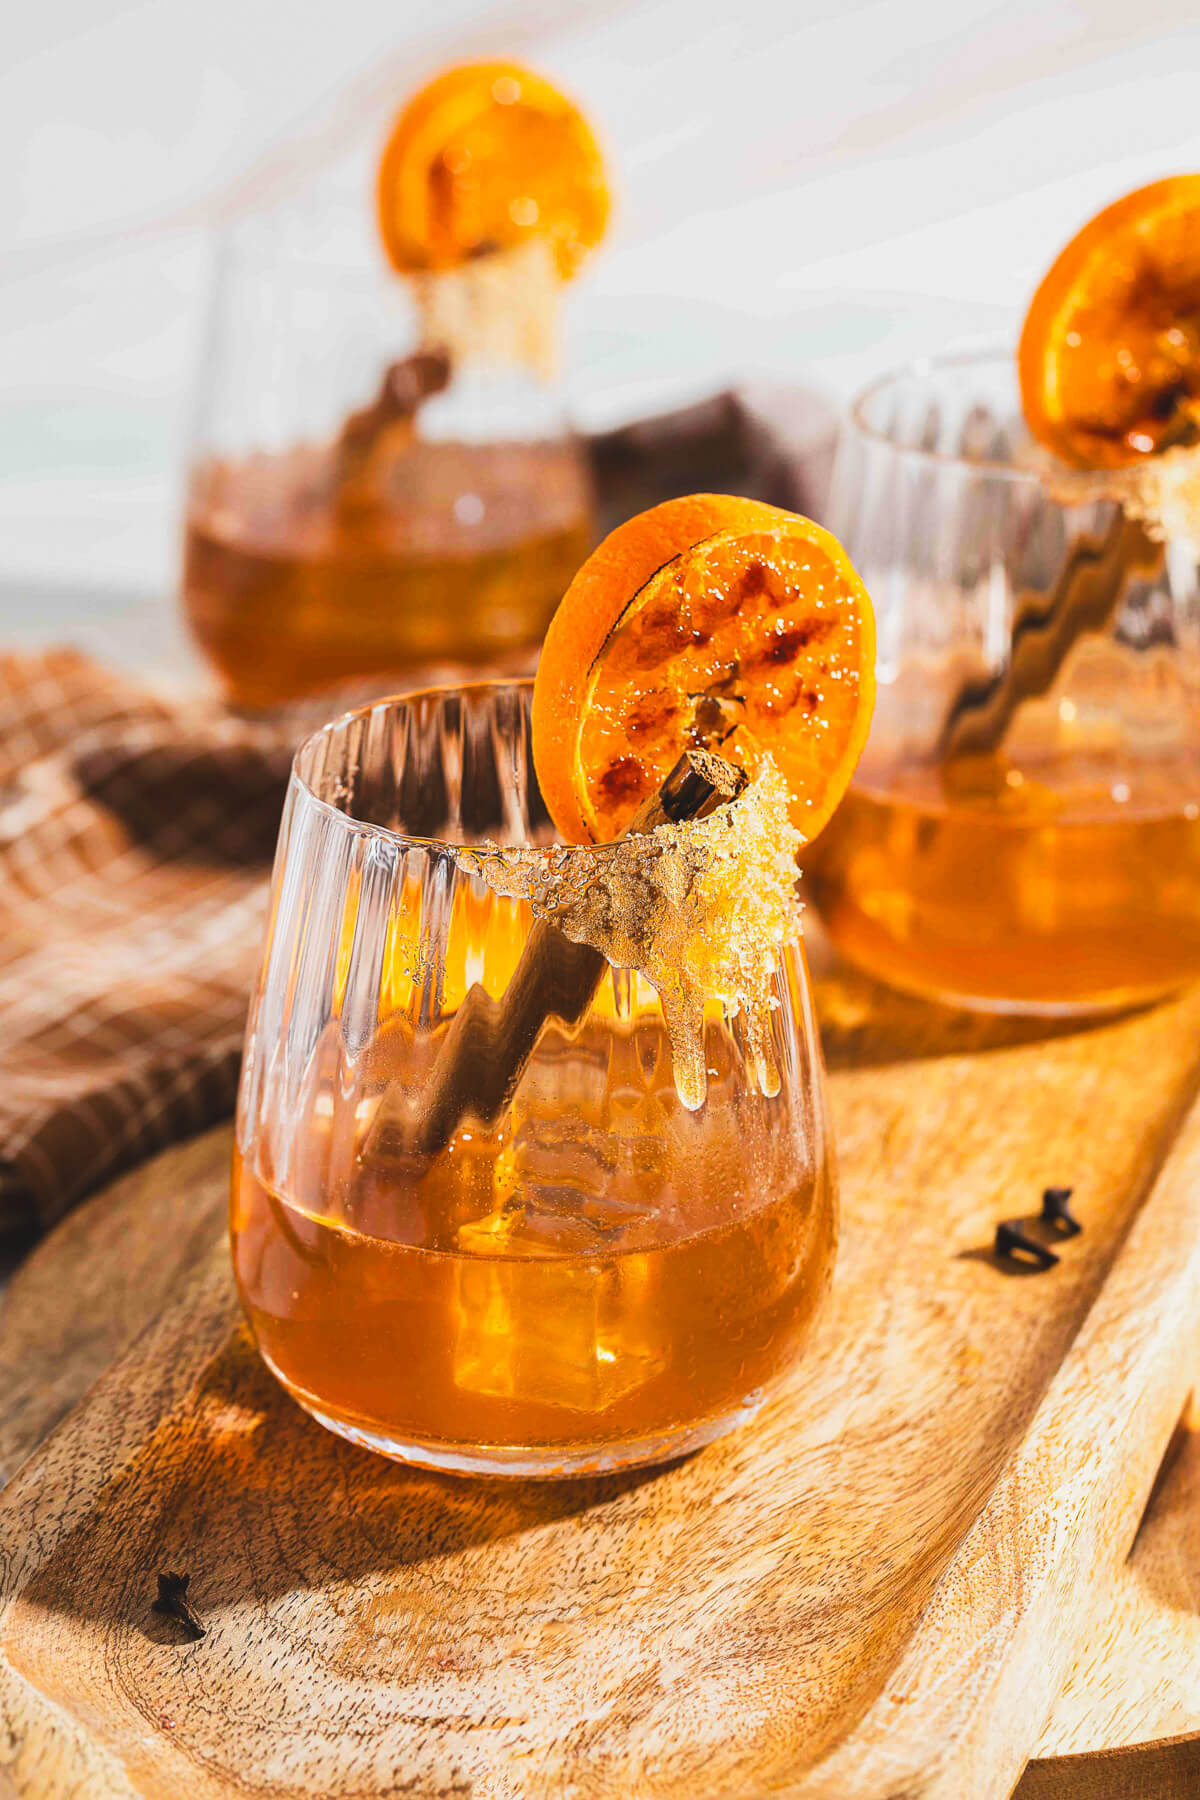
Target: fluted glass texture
column 1022, row 831
column 587, row 1274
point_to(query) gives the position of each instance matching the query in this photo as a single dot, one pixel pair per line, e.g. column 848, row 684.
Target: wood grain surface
column 879, row 1588
column 84, row 1294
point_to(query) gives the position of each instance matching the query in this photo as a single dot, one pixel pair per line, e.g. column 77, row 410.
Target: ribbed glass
column 588, row 1276
column 1053, row 864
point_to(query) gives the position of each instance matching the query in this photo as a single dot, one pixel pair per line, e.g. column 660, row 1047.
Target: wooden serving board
column 879, row 1589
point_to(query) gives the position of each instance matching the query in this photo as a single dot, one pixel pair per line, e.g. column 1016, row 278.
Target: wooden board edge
column 977, row 1682
column 1165, row 1769
column 110, row 1428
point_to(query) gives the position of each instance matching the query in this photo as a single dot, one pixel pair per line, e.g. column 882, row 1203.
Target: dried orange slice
column 485, row 157
column 1109, row 358
column 705, row 620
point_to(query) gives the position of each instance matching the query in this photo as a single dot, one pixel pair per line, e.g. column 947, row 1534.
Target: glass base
column 537, row 1462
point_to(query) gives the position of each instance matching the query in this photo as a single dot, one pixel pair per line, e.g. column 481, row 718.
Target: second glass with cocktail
column 1024, row 831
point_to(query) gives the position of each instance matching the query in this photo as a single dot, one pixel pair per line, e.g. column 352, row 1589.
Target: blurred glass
column 357, row 504
column 1023, row 833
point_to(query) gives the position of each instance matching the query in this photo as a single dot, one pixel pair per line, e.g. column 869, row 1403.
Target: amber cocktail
column 457, row 552
column 354, row 510
column 1023, row 832
column 598, row 1273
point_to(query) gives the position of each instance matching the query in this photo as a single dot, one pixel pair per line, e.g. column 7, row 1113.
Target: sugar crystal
column 701, row 908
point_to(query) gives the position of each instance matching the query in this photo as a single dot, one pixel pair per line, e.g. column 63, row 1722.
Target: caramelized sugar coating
column 484, row 158
column 705, row 620
column 1109, row 357
column 701, row 907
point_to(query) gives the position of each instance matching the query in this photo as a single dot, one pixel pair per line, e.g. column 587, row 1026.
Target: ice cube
column 565, row 1330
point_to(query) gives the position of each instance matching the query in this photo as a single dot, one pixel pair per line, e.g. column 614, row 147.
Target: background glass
column 595, row 1278
column 316, row 550
column 1059, row 869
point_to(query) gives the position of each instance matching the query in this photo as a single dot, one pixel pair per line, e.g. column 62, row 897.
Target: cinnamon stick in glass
column 405, row 387
column 488, row 1042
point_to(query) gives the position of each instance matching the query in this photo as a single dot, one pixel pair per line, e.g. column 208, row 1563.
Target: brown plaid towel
column 135, row 839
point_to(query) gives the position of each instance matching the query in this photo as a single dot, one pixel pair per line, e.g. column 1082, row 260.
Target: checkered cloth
column 135, row 840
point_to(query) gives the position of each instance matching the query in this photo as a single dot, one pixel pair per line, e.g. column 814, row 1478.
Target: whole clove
column 1056, row 1211
column 1015, row 1247
column 172, row 1600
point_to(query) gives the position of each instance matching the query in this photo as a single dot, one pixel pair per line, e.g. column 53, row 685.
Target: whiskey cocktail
column 1023, row 832
column 533, row 1171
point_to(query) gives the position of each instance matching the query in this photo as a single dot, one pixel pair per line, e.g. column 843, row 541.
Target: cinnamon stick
column 489, row 1042
column 405, row 387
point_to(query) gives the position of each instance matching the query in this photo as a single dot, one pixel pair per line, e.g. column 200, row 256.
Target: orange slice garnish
column 713, row 621
column 486, row 157
column 1109, row 358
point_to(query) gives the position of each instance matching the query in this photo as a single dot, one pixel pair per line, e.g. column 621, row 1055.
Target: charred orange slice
column 707, row 621
column 1109, row 358
column 486, row 157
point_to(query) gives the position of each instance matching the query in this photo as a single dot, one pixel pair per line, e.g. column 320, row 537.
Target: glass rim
column 993, row 468
column 409, row 839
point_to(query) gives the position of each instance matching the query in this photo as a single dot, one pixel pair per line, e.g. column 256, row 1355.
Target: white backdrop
column 858, row 181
